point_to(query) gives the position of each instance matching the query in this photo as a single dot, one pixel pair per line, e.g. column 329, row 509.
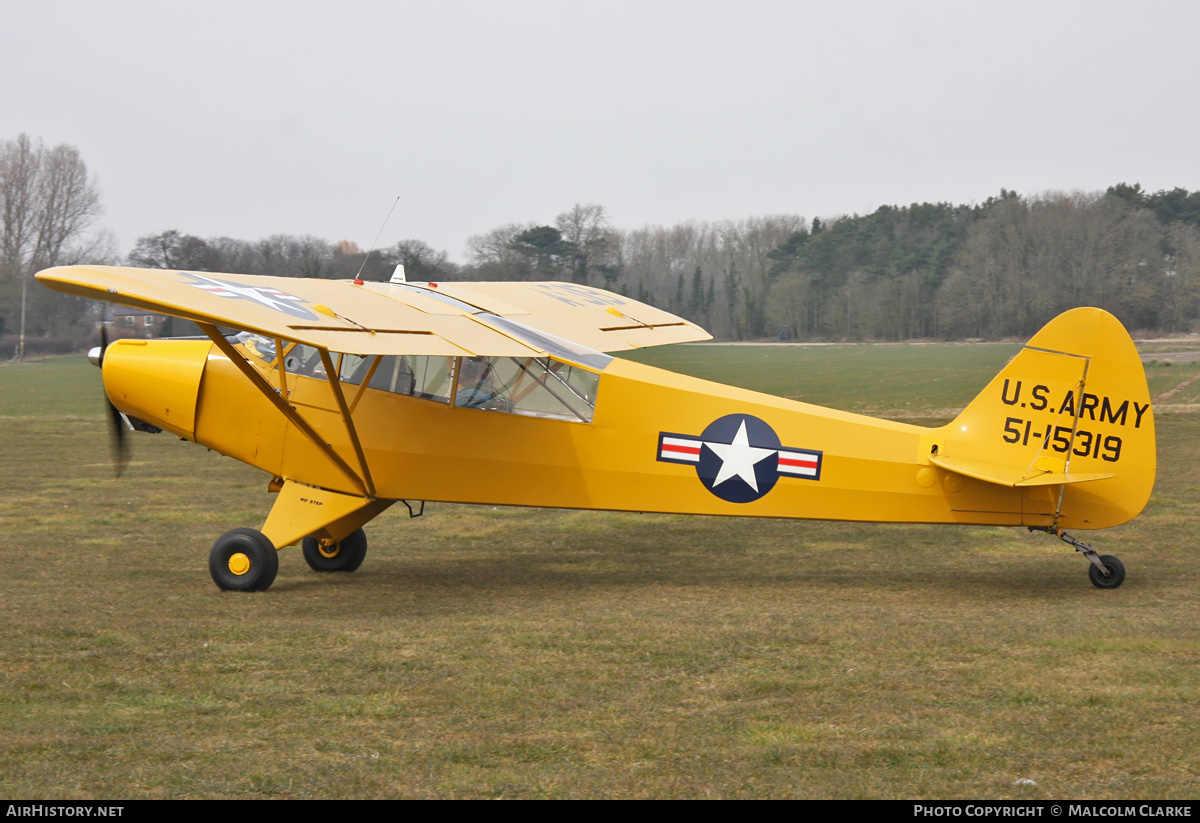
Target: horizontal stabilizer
column 1057, row 479
column 1011, row 476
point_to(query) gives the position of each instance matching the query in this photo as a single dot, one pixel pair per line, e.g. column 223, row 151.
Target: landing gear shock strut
column 1105, row 571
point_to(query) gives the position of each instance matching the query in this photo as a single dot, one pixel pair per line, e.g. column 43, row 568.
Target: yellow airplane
column 353, row 395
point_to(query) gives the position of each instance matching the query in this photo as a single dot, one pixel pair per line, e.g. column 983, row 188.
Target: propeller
column 116, row 421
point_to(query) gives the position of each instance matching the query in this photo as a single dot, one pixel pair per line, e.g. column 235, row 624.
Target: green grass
column 65, row 386
column 1188, row 343
column 1174, row 383
column 862, row 378
column 528, row 653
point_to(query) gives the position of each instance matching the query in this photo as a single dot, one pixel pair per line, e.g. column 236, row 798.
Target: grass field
column 526, row 653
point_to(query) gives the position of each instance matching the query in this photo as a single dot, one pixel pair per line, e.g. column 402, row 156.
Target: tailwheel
column 1115, row 569
column 344, row 556
column 1105, row 571
column 243, row 560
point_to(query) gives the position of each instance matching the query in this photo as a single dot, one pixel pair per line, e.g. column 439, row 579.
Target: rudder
column 1069, row 421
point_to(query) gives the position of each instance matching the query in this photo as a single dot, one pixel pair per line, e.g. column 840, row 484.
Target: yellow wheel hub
column 330, row 551
column 239, row 564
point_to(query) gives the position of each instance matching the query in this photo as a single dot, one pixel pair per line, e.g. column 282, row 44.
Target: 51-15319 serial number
column 1058, row 438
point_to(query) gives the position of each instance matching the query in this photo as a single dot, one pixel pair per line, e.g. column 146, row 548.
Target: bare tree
column 1032, row 258
column 20, row 162
column 420, row 260
column 734, row 260
column 592, row 242
column 172, row 249
column 69, row 203
column 47, row 203
column 494, row 254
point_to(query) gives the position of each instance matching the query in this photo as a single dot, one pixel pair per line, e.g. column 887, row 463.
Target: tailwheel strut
column 1106, row 571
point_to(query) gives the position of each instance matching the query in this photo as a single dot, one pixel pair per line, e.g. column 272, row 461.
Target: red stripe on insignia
column 681, row 449
column 808, row 463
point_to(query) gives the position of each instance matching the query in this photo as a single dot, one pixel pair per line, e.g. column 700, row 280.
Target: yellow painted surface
column 302, row 510
column 1073, row 401
column 1064, row 435
column 157, row 380
column 375, row 318
column 236, row 420
column 589, row 316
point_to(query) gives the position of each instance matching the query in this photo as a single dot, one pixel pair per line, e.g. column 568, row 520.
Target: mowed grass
column 526, row 653
column 861, row 378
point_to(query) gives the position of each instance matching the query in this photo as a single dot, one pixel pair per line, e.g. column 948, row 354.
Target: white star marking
column 739, row 458
column 252, row 292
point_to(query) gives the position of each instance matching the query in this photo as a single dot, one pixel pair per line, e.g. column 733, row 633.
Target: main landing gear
column 1105, row 571
column 244, row 560
column 345, row 556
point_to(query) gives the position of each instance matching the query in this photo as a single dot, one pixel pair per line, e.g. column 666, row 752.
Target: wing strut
column 336, row 385
column 366, row 381
column 290, row 412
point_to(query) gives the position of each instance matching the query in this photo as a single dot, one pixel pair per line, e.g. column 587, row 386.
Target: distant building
column 127, row 322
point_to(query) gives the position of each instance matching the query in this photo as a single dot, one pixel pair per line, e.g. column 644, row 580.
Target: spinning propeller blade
column 116, row 423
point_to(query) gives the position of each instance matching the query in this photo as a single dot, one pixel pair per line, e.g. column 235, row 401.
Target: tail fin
column 1069, row 421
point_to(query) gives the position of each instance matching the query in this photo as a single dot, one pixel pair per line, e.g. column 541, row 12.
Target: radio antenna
column 358, row 277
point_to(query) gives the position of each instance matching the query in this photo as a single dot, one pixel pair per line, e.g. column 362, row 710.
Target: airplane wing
column 460, row 319
column 592, row 317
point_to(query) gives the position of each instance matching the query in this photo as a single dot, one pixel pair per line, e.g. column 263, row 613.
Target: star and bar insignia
column 739, row 458
column 263, row 295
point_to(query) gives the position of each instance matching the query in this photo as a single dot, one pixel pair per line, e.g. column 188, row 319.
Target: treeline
column 287, row 255
column 716, row 274
column 930, row 270
column 1029, row 259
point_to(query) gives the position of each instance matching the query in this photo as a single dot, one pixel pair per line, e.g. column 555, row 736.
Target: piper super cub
column 352, row 395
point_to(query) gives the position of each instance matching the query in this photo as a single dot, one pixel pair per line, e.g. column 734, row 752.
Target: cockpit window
column 531, row 386
column 298, row 358
column 261, row 347
column 430, row 378
column 534, row 386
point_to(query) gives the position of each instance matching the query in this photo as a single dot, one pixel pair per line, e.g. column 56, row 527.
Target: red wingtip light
column 433, row 285
column 358, row 281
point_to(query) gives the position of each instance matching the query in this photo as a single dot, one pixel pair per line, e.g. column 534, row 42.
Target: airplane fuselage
column 656, row 441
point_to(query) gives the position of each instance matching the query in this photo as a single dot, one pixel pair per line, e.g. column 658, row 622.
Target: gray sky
column 247, row 119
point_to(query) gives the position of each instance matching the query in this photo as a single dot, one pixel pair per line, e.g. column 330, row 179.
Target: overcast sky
column 247, row 119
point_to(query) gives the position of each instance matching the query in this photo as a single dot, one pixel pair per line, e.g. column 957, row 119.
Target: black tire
column 1116, row 573
column 243, row 560
column 341, row 557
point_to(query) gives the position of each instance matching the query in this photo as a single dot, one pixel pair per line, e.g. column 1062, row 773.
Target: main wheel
column 345, row 556
column 1116, row 573
column 243, row 560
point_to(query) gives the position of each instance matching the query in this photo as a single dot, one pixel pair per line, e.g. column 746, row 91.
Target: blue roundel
column 739, row 461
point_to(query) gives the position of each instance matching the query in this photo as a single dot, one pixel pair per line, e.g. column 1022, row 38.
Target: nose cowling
column 156, row 381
